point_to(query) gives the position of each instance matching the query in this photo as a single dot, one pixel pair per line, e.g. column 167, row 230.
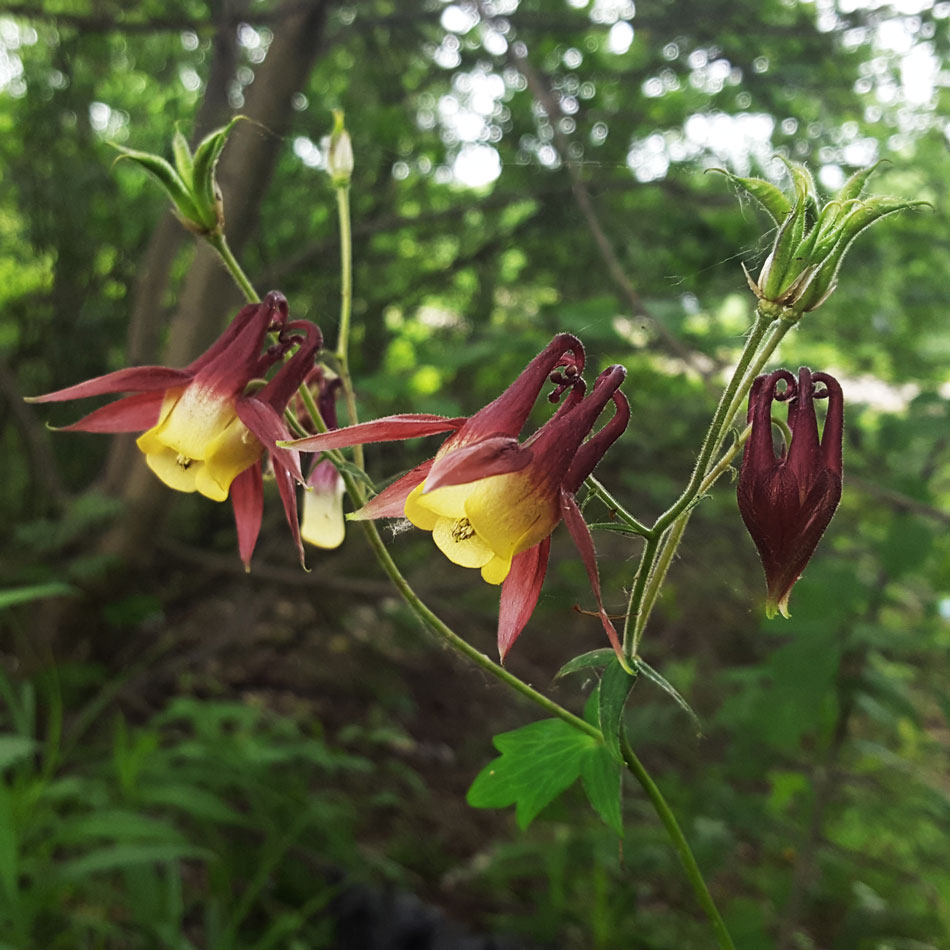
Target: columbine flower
column 492, row 502
column 321, row 520
column 204, row 431
column 787, row 502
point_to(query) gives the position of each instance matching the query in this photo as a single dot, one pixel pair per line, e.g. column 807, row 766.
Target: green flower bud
column 190, row 183
column 340, row 154
column 811, row 240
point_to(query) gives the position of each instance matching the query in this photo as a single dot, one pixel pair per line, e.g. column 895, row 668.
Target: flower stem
column 452, row 639
column 635, row 620
column 732, row 395
column 438, row 626
column 220, row 243
column 672, row 541
column 680, row 844
column 616, row 508
column 745, row 373
column 346, row 308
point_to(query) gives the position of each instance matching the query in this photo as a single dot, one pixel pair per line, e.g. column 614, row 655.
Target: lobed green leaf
column 537, row 763
column 169, row 179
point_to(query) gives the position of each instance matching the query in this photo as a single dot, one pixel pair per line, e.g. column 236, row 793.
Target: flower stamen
column 462, row 530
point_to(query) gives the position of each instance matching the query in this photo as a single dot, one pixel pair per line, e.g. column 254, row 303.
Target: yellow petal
column 496, row 570
column 195, row 420
column 199, row 444
column 229, row 453
column 420, row 515
column 448, row 502
column 512, row 513
column 460, row 544
column 174, row 470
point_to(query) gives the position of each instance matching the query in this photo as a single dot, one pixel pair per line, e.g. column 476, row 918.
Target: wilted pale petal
column 321, row 523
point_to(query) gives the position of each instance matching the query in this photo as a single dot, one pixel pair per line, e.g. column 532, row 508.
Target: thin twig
column 542, row 94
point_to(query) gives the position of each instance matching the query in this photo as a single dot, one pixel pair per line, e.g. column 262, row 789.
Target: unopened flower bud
column 787, row 501
column 340, row 154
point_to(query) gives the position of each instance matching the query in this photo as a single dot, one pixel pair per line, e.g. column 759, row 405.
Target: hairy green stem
column 779, row 328
column 438, row 626
column 680, row 843
column 637, row 527
column 635, row 766
column 219, row 242
column 635, row 619
column 721, row 418
column 346, row 309
column 452, row 639
column 631, row 618
column 672, row 540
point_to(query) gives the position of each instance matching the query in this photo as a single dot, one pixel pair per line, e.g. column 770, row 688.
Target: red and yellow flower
column 206, row 427
column 492, row 502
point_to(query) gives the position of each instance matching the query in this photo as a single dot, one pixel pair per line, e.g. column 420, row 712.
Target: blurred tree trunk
column 208, row 298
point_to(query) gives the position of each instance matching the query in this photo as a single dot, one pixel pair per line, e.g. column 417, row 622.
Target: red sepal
column 520, row 592
column 288, row 495
column 498, row 456
column 262, row 419
column 507, row 414
column 130, row 414
column 247, row 499
column 131, row 379
column 580, row 534
column 386, row 429
column 391, row 501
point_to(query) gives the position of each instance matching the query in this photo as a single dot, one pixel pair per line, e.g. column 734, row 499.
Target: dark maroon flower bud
column 787, row 501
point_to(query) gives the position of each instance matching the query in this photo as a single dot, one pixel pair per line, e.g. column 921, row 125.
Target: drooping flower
column 787, row 501
column 492, row 502
column 321, row 519
column 206, row 430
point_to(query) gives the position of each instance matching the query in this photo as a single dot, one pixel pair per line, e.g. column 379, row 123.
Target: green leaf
column 206, row 158
column 355, row 472
column 853, row 187
column 117, row 824
column 14, row 749
column 664, row 684
column 126, row 855
column 596, row 659
column 9, row 845
column 192, row 800
column 168, row 178
column 537, row 763
column 22, row 595
column 600, row 777
column 615, row 686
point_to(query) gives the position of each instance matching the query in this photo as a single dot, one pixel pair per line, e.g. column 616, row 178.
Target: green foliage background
column 192, row 758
